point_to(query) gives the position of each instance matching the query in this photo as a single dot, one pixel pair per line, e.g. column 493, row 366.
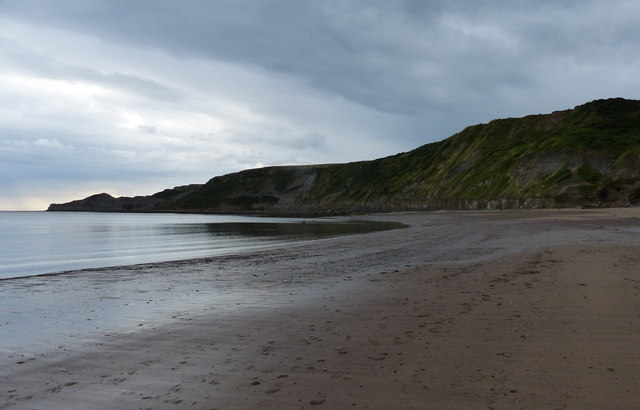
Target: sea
column 43, row 310
column 37, row 243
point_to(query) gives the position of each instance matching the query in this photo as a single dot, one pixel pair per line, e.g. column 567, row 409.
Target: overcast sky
column 133, row 96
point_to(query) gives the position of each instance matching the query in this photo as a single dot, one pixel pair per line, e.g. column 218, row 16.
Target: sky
column 131, row 97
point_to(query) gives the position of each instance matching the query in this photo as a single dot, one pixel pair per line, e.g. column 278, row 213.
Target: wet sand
column 521, row 309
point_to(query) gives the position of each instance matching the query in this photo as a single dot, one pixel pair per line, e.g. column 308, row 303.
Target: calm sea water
column 33, row 243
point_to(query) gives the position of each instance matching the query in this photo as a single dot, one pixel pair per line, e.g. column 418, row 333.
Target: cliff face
column 588, row 156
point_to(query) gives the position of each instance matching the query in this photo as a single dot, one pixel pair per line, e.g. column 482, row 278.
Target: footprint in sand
column 320, row 399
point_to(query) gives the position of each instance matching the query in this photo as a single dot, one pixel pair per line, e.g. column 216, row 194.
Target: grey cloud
column 142, row 86
column 32, row 62
column 283, row 139
column 47, row 159
column 365, row 52
column 371, row 52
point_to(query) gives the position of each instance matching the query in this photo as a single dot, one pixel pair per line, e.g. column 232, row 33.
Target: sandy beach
column 460, row 310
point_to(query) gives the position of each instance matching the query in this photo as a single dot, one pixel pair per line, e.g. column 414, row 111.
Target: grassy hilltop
column 587, row 156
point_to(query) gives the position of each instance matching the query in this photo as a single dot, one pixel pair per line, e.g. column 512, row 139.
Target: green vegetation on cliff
column 587, row 156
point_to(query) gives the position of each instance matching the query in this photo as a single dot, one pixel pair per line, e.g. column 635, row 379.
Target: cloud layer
column 131, row 97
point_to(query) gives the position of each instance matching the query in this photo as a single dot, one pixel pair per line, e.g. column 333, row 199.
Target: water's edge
column 44, row 244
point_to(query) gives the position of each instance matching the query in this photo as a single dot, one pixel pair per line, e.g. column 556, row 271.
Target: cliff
column 588, row 156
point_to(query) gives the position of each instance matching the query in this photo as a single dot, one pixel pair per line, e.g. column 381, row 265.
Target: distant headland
column 588, row 156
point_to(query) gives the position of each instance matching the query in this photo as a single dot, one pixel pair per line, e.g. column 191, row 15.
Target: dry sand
column 532, row 310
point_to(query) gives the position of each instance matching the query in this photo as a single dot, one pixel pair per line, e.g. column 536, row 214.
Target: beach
column 460, row 310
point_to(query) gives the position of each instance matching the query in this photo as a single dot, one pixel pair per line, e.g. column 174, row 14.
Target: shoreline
column 373, row 217
column 68, row 243
column 428, row 316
